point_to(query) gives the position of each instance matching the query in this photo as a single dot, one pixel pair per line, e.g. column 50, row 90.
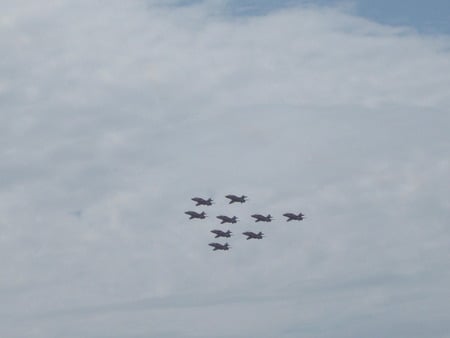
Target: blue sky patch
column 426, row 17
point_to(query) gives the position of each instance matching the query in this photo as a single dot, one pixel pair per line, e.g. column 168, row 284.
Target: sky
column 431, row 17
column 113, row 115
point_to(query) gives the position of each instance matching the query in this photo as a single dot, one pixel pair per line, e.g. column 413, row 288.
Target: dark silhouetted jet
column 218, row 246
column 226, row 219
column 251, row 235
column 261, row 218
column 220, row 233
column 194, row 214
column 234, row 198
column 293, row 217
column 202, row 201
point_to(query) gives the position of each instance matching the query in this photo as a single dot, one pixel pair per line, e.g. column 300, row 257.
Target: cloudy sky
column 113, row 114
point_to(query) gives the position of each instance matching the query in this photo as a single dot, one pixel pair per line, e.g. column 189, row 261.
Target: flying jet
column 194, row 214
column 226, row 219
column 262, row 218
column 218, row 246
column 234, row 198
column 251, row 235
column 220, row 233
column 202, row 201
column 294, row 217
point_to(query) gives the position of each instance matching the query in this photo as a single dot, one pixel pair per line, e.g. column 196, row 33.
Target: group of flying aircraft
column 232, row 220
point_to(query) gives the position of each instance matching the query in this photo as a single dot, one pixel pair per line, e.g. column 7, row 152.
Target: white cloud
column 114, row 114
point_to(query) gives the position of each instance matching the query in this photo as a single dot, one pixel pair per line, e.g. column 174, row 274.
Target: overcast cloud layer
column 114, row 114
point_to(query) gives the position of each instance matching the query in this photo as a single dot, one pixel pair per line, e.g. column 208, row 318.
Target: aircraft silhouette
column 218, row 246
column 226, row 219
column 234, row 198
column 251, row 235
column 202, row 201
column 293, row 217
column 194, row 214
column 220, row 233
column 261, row 218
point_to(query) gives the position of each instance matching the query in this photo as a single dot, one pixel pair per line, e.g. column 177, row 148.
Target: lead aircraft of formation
column 220, row 233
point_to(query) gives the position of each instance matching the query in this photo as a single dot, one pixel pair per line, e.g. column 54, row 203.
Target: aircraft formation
column 233, row 219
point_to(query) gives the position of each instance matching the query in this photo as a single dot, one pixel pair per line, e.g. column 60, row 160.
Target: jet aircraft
column 226, row 219
column 262, row 218
column 234, row 198
column 220, row 233
column 251, row 235
column 293, row 217
column 218, row 246
column 202, row 201
column 194, row 214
